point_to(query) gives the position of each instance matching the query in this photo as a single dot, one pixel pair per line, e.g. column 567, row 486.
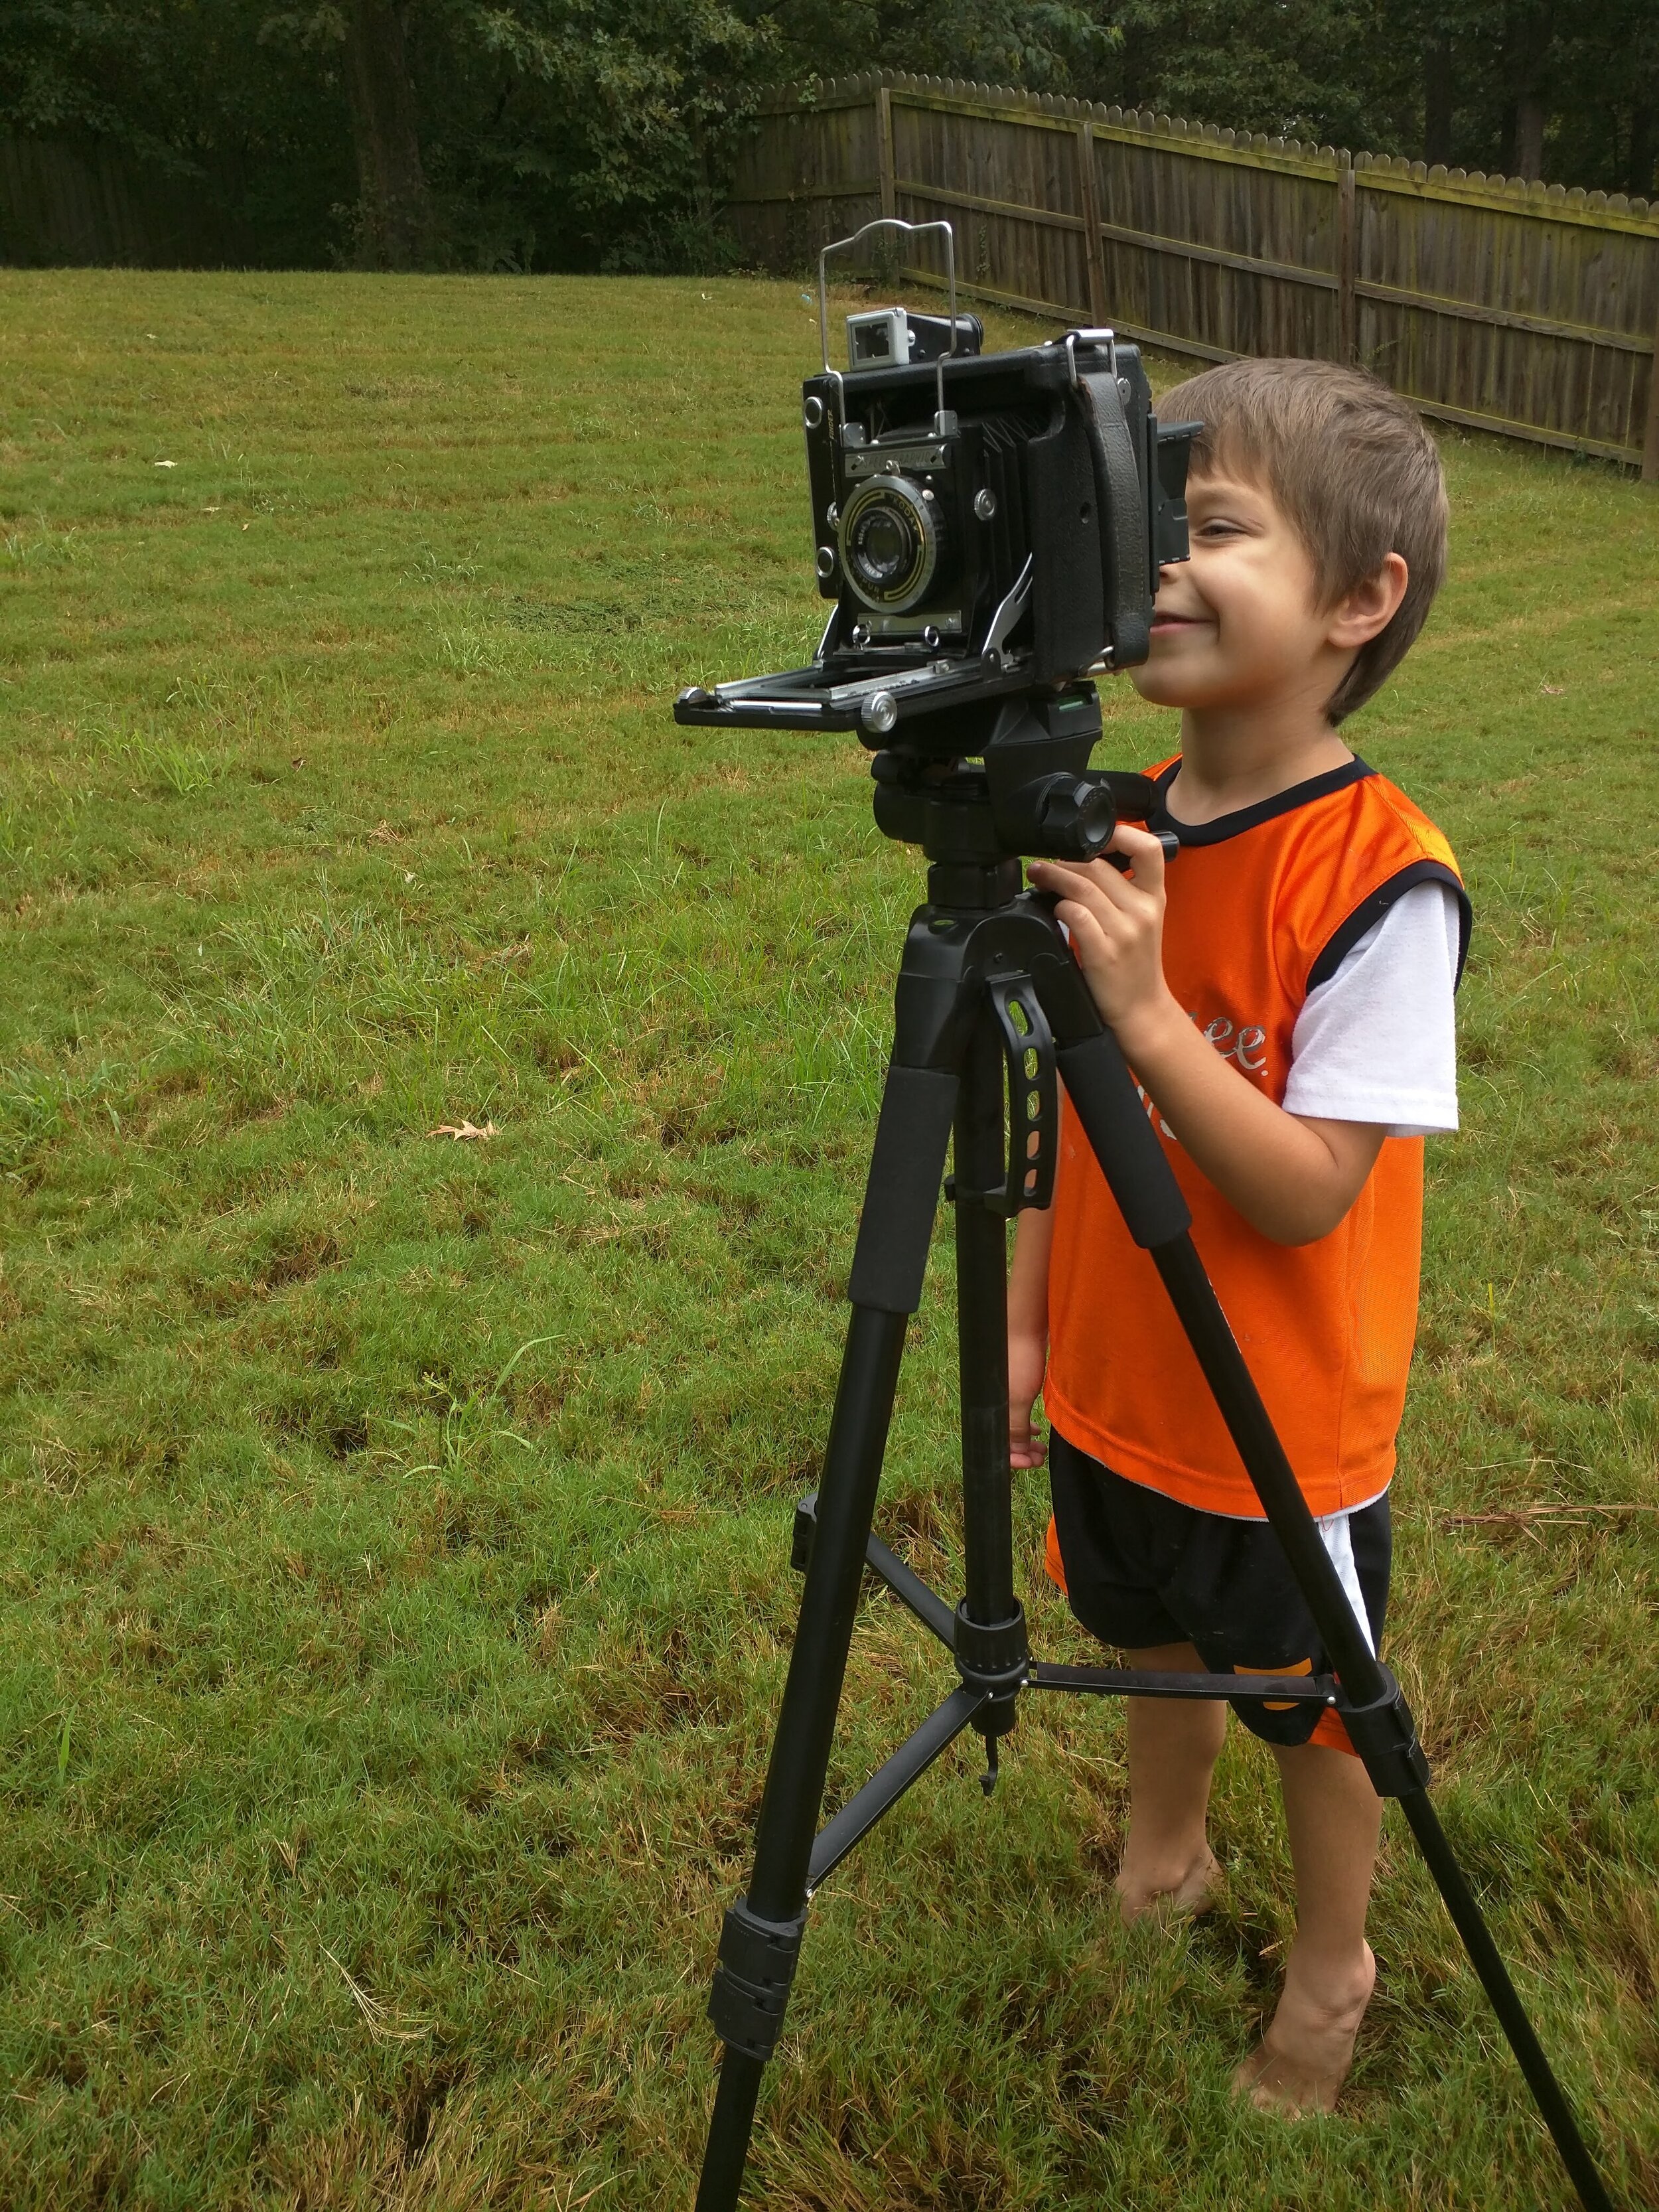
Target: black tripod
column 989, row 999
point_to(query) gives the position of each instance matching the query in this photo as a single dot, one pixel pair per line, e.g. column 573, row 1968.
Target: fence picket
column 1486, row 301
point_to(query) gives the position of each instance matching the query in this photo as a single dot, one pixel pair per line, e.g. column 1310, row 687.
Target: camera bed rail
column 848, row 695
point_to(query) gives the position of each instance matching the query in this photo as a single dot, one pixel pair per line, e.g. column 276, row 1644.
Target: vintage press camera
column 989, row 528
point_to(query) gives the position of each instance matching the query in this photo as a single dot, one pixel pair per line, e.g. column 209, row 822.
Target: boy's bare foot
column 1303, row 2061
column 1170, row 1892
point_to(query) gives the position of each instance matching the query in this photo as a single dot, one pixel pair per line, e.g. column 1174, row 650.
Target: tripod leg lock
column 1384, row 1735
column 755, row 1967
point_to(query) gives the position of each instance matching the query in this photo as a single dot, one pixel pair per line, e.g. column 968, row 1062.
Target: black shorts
column 1143, row 1570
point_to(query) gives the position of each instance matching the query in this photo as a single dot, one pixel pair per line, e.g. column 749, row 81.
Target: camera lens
column 887, row 548
column 891, row 540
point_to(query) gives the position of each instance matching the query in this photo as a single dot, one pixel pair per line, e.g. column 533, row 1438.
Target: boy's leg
column 1335, row 1819
column 1173, row 1746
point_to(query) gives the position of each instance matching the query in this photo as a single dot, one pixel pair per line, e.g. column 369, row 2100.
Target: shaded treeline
column 594, row 133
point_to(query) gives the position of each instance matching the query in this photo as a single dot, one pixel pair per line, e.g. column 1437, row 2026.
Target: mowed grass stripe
column 394, row 1575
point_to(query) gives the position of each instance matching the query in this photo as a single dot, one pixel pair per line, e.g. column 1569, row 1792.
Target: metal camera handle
column 911, row 230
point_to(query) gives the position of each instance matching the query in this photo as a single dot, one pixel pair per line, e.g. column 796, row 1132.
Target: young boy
column 1283, row 992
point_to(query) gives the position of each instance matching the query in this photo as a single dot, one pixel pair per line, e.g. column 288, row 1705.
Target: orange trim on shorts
column 1327, row 1729
column 1301, row 1667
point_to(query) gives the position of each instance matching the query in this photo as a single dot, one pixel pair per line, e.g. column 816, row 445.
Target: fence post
column 1347, row 320
column 1094, row 257
column 885, row 151
column 1651, row 435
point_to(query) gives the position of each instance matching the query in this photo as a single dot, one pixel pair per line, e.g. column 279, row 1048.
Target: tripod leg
column 761, row 1940
column 1484, row 1956
column 1373, row 1709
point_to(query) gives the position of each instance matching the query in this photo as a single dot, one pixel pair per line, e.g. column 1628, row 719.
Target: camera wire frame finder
column 848, row 245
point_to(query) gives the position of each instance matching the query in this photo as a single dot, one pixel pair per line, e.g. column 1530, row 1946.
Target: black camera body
column 989, row 529
column 984, row 524
column 923, row 522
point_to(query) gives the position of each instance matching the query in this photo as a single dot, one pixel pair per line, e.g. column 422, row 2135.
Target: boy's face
column 1239, row 624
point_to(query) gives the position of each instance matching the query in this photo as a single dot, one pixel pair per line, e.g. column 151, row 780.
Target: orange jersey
column 1261, row 906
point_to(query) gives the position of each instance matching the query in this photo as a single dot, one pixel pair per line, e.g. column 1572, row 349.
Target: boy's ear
column 1362, row 613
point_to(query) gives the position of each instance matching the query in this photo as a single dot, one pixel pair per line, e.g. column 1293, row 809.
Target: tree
column 596, row 133
column 191, row 90
column 1521, row 86
column 394, row 206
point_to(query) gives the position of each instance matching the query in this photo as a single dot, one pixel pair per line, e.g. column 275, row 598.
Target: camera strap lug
column 1074, row 339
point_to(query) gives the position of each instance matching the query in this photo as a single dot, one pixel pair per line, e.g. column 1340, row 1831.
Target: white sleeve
column 1375, row 1042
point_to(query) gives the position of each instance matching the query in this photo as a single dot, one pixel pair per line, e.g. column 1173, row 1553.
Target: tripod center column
column 982, row 1348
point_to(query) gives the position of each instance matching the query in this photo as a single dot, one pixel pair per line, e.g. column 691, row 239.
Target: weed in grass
column 395, row 1530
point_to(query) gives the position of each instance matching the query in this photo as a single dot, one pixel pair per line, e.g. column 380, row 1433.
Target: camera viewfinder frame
column 847, row 244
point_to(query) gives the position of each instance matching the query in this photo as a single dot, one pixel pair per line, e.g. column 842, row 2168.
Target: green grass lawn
column 393, row 1531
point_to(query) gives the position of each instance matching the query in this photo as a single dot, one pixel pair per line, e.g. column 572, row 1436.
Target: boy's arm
column 1028, row 1331
column 1294, row 1178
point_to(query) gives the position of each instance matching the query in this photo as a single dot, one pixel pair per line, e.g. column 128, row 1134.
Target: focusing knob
column 1077, row 817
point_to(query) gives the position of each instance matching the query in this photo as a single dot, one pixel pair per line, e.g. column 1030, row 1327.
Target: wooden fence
column 1515, row 307
column 64, row 204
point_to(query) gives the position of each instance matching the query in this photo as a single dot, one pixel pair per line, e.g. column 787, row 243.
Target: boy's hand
column 1028, row 1359
column 1116, row 926
column 1292, row 1176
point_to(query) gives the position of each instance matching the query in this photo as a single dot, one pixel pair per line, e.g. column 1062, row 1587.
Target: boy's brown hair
column 1354, row 471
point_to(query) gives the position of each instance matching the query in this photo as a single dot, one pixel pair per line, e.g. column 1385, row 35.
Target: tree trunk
column 1529, row 136
column 1639, row 171
column 396, row 210
column 1437, row 101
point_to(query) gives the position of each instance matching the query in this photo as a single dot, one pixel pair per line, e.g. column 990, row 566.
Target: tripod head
column 981, row 785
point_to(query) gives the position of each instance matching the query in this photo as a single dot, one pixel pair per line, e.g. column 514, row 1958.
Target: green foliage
column 1380, row 74
column 393, row 1530
column 1050, row 46
column 191, row 89
column 597, row 133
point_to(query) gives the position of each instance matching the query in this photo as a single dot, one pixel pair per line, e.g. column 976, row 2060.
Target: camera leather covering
column 1068, row 592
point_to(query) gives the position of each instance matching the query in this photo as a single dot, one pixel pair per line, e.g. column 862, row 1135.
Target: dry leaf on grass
column 463, row 1132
